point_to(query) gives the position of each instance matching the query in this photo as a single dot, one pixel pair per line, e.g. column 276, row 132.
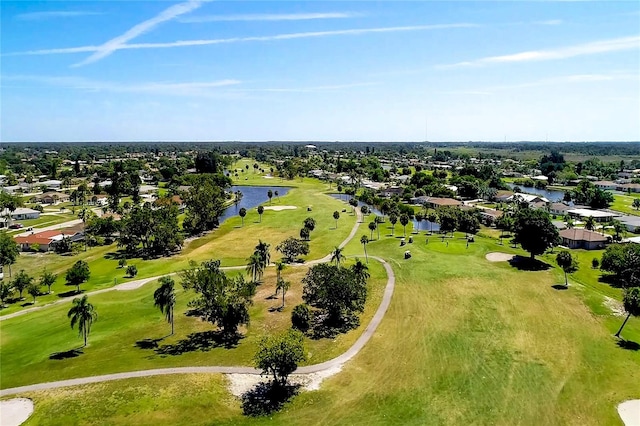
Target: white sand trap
column 499, row 257
column 630, row 412
column 280, row 208
column 14, row 412
column 268, row 177
column 241, row 383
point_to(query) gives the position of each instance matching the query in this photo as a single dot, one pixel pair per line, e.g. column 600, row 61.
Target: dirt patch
column 616, row 307
column 499, row 257
column 280, row 208
column 630, row 412
column 14, row 412
column 241, row 383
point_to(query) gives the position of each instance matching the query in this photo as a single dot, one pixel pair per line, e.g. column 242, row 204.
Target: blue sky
column 348, row 71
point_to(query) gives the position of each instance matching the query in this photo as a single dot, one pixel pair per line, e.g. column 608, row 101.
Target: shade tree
column 78, row 274
column 292, row 247
column 534, row 231
column 631, row 302
column 279, row 355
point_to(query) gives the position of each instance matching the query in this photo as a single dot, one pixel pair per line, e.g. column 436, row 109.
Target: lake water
column 548, row 194
column 424, row 226
column 252, row 197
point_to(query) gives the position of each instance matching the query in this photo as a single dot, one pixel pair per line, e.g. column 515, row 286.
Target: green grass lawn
column 465, row 341
column 113, row 337
column 624, row 203
column 232, row 243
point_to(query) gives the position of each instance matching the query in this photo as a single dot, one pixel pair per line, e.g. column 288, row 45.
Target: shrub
column 301, row 317
column 595, row 263
column 122, row 263
column 132, row 270
column 39, row 208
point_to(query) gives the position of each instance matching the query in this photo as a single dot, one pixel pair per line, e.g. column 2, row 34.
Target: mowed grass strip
column 128, row 322
column 231, row 243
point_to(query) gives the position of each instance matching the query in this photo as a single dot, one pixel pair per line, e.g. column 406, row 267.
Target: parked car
column 15, row 226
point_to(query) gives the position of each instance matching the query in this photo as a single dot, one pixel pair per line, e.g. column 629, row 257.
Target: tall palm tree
column 84, row 314
column 364, row 240
column 254, row 267
column 283, row 286
column 165, row 299
column 337, row 255
column 280, row 266
column 263, row 251
column 361, row 271
column 590, row 224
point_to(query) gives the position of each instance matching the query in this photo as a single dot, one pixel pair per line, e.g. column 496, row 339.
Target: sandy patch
column 499, row 257
column 268, row 177
column 616, row 307
column 630, row 412
column 241, row 383
column 14, row 412
column 280, row 208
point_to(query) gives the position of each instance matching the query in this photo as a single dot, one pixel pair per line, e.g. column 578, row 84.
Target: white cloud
column 116, row 43
column 592, row 48
column 266, row 17
column 549, row 22
column 206, row 42
column 158, row 88
column 53, row 14
column 312, row 89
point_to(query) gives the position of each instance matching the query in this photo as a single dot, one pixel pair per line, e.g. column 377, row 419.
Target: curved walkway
column 333, row 363
column 135, row 284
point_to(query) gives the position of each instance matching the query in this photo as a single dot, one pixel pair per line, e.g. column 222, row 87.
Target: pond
column 424, row 226
column 548, row 194
column 252, row 197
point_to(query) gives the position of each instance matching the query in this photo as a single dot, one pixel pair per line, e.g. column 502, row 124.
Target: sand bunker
column 241, row 383
column 14, row 412
column 280, row 208
column 499, row 257
column 630, row 412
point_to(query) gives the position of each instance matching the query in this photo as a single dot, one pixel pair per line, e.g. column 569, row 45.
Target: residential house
column 52, row 197
column 582, row 239
column 605, row 185
column 559, row 208
column 52, row 183
column 629, row 187
column 391, row 191
column 597, row 215
column 503, row 196
column 21, row 213
column 46, row 240
column 435, row 202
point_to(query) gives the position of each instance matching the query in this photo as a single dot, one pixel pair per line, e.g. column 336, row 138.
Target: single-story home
column 605, row 185
column 528, row 198
column 582, row 239
column 46, row 240
column 629, row 187
column 52, row 183
column 391, row 191
column 52, row 197
column 631, row 222
column 435, row 202
column 502, row 196
column 21, row 213
column 597, row 215
column 559, row 208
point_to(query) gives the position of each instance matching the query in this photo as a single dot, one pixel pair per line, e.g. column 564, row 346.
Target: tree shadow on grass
column 267, row 398
column 628, row 345
column 27, row 304
column 202, row 341
column 527, row 264
column 148, row 343
column 71, row 353
column 69, row 293
column 559, row 287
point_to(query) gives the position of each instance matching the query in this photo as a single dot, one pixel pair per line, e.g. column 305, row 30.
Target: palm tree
column 238, row 197
column 262, row 249
column 361, row 271
column 270, row 195
column 165, row 299
column 393, row 219
column 280, row 266
column 631, row 302
column 619, row 228
column 242, row 213
column 84, row 314
column 419, row 218
column 590, row 224
column 260, row 211
column 283, row 286
column 364, row 240
column 336, row 216
column 254, row 267
column 372, row 227
column 337, row 255
column 404, row 221
column 85, row 214
column 636, row 203
column 432, row 217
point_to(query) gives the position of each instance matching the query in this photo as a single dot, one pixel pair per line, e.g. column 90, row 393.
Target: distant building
column 46, row 240
column 52, row 198
column 21, row 213
column 629, row 187
column 582, row 239
column 597, row 215
column 605, row 185
column 559, row 208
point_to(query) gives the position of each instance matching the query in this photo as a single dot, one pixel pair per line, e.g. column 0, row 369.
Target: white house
column 21, row 213
column 52, row 183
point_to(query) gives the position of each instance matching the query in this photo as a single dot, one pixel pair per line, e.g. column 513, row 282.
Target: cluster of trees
column 151, row 231
column 453, row 219
column 336, row 293
column 258, row 261
column 292, row 247
column 222, row 301
column 75, row 276
column 308, row 226
column 205, row 202
column 587, row 193
column 623, row 262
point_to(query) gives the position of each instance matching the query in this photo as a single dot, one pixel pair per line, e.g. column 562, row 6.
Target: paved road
column 135, row 284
